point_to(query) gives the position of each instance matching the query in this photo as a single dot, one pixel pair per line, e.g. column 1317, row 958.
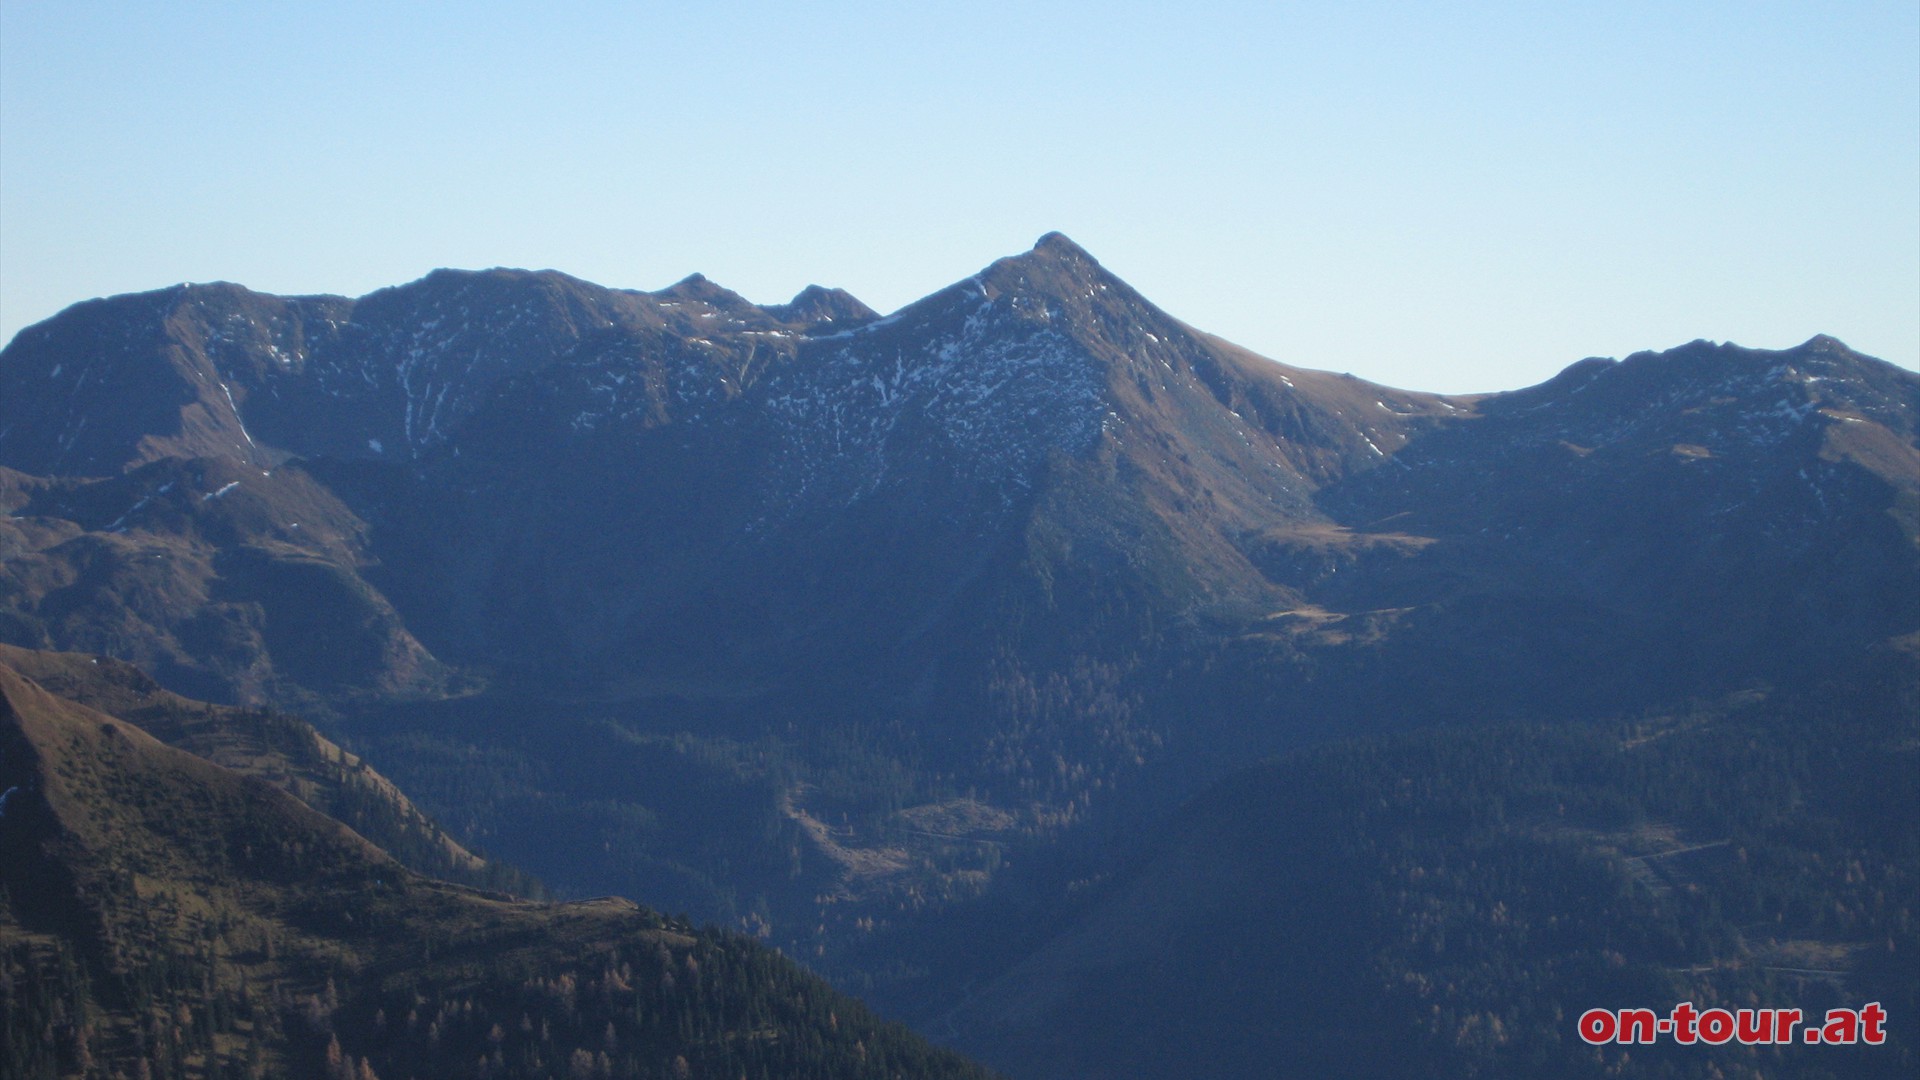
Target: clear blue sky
column 1438, row 196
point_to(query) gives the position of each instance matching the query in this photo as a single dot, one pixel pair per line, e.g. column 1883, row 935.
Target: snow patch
column 997, row 394
column 235, row 410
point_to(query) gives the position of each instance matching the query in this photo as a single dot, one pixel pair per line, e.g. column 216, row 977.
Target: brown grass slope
column 228, row 582
column 280, row 749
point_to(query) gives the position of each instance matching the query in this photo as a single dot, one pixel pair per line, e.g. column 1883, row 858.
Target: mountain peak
column 818, row 304
column 697, row 287
column 1054, row 266
column 1057, row 245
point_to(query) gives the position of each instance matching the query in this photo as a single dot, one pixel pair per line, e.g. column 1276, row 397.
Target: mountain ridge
column 816, row 621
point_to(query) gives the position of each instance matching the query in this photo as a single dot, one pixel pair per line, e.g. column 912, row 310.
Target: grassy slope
column 271, row 746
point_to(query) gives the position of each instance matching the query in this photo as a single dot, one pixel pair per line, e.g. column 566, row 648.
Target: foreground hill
column 278, row 748
column 164, row 917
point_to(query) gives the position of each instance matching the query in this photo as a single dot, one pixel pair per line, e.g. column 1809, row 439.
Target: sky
column 1449, row 197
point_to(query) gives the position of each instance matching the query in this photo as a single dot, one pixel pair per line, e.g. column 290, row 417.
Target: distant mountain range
column 897, row 640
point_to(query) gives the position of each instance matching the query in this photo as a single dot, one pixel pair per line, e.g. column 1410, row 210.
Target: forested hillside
column 1446, row 903
column 161, row 916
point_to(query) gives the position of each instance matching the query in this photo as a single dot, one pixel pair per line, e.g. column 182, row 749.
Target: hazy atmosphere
column 1455, row 199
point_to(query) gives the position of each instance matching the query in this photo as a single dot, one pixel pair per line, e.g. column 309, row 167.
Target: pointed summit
column 699, row 288
column 1055, row 267
column 817, row 304
column 1057, row 245
column 1825, row 343
column 1052, row 255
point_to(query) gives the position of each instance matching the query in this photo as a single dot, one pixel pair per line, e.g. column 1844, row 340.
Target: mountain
column 737, row 486
column 1038, row 407
column 889, row 638
column 1685, row 515
column 168, row 917
column 800, row 517
column 221, row 371
column 182, row 417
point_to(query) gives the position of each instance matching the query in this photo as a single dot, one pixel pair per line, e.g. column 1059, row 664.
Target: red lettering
column 1784, row 1021
column 1637, row 1026
column 1598, row 1026
column 1873, row 1019
column 1719, row 1026
column 1683, row 1018
column 1716, row 1026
